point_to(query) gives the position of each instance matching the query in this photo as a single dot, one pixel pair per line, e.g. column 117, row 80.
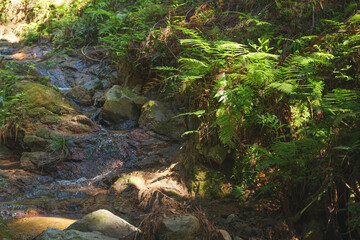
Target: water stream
column 32, row 202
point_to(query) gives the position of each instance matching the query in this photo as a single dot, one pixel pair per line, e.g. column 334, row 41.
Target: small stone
column 223, row 235
column 232, row 218
column 238, row 238
column 180, row 228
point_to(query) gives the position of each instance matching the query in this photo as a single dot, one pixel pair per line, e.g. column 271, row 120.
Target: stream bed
column 32, row 201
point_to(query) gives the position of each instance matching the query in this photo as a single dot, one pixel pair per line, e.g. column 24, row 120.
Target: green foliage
column 239, row 192
column 209, row 184
column 61, row 145
column 10, row 101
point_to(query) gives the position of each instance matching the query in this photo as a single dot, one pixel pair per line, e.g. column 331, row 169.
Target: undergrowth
column 274, row 82
column 11, row 108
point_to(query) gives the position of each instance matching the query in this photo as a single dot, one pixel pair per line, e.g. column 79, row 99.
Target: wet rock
column 88, row 81
column 119, row 105
column 36, row 160
column 180, row 228
column 106, row 223
column 5, row 231
column 223, row 235
column 80, row 95
column 55, row 234
column 157, row 117
column 35, row 143
column 73, row 64
column 99, row 98
column 77, row 124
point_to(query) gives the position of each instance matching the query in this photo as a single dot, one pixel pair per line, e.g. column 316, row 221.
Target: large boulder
column 180, row 228
column 106, row 223
column 43, row 102
column 119, row 106
column 55, row 234
column 157, row 117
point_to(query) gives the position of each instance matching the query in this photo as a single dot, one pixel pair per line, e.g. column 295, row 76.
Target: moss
column 41, row 100
column 209, row 184
column 128, row 93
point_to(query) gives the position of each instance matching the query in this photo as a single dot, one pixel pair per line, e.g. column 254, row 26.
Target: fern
column 227, row 126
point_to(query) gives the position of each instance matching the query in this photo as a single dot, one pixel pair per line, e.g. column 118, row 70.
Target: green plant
column 10, row 103
column 60, row 145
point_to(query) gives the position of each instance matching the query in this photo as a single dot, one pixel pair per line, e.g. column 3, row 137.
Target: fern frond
column 193, row 62
column 227, row 127
column 283, row 87
column 165, row 68
column 191, row 32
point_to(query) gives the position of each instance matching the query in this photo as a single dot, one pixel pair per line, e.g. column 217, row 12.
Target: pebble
column 232, row 218
column 223, row 235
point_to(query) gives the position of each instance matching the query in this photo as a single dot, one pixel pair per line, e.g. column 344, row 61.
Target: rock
column 5, row 232
column 36, row 160
column 43, row 101
column 217, row 154
column 80, row 95
column 106, row 223
column 140, row 100
column 35, row 143
column 238, row 238
column 77, row 124
column 48, row 134
column 157, row 117
column 232, row 218
column 180, row 228
column 99, row 98
column 223, row 235
column 119, row 106
column 55, row 234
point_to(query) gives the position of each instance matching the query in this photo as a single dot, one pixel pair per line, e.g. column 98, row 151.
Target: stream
column 33, row 201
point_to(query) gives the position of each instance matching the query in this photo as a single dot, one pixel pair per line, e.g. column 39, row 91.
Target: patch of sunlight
column 32, row 226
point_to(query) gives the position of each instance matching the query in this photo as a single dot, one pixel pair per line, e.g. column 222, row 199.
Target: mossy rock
column 119, row 105
column 157, row 117
column 215, row 153
column 209, row 183
column 41, row 100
